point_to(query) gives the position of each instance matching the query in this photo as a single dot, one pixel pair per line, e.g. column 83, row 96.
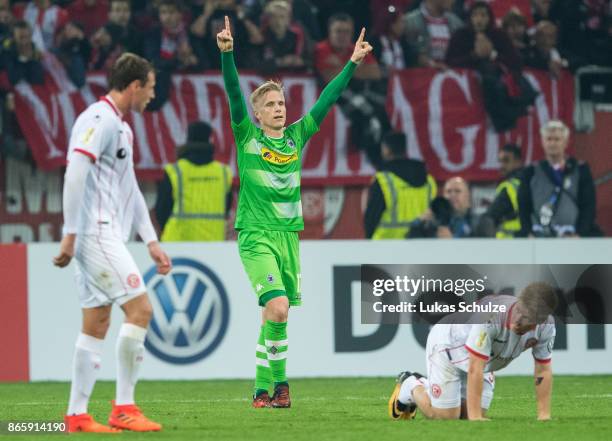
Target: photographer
column 449, row 216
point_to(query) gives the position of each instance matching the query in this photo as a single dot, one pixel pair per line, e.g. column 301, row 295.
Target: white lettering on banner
column 177, row 126
column 22, row 182
column 48, row 126
column 540, row 102
column 140, row 133
column 308, row 95
column 403, row 117
column 12, row 232
column 491, row 148
column 436, row 123
column 420, row 103
column 67, row 111
column 158, row 137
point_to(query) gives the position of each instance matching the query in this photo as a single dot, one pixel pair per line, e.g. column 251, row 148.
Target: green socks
column 263, row 375
column 275, row 335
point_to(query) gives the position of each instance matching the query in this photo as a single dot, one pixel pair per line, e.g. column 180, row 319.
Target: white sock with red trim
column 85, row 367
column 130, row 349
column 405, row 394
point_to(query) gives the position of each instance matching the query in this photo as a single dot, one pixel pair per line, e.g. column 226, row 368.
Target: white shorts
column 105, row 271
column 447, row 383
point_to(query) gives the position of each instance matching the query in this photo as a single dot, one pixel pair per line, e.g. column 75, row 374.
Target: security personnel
column 400, row 192
column 503, row 213
column 194, row 198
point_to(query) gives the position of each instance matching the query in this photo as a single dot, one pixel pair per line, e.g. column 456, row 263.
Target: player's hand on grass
column 362, row 48
column 160, row 258
column 479, row 418
column 225, row 41
column 66, row 251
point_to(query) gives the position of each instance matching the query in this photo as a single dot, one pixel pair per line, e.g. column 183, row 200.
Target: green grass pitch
column 324, row 409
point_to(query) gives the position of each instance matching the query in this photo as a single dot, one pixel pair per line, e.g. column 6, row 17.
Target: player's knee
column 98, row 327
column 277, row 309
column 138, row 311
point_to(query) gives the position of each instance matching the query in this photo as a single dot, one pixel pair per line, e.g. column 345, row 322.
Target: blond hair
column 260, row 92
column 540, row 299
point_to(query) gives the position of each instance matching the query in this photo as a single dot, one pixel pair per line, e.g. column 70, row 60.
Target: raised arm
column 334, row 89
column 225, row 42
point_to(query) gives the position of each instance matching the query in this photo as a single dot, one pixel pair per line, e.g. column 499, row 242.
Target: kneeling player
column 461, row 359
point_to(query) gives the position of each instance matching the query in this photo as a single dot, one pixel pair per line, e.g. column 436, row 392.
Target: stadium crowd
column 496, row 38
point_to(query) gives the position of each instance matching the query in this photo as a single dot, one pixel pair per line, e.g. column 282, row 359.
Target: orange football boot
column 83, row 422
column 129, row 417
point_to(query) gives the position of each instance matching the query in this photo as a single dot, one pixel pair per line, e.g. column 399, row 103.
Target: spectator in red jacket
column 89, row 14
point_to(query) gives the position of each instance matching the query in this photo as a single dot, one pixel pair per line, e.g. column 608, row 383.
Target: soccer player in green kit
column 269, row 213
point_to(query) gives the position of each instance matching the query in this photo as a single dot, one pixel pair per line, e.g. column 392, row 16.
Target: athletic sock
column 85, row 367
column 263, row 374
column 130, row 349
column 405, row 394
column 275, row 335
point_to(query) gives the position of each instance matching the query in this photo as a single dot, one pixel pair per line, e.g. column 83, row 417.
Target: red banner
column 444, row 119
column 441, row 113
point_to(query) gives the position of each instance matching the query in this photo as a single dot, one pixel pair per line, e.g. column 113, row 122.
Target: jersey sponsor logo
column 436, row 390
column 190, row 312
column 133, row 280
column 277, row 158
column 270, row 278
column 121, row 153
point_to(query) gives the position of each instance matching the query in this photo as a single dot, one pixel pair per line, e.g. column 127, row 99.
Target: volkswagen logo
column 190, row 312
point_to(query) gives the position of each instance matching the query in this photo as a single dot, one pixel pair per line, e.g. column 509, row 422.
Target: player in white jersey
column 461, row 358
column 102, row 202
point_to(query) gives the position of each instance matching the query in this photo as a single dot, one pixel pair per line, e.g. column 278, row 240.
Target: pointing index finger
column 361, row 36
column 227, row 24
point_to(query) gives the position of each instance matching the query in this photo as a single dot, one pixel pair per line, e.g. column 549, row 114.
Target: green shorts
column 271, row 260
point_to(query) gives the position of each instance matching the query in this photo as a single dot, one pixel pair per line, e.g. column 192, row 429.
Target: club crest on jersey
column 277, row 158
column 436, row 390
column 290, row 143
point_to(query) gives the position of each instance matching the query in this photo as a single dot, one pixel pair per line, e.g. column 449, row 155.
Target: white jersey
column 111, row 190
column 494, row 341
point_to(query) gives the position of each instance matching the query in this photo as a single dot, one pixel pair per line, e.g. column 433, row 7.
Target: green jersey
column 270, row 168
column 270, row 175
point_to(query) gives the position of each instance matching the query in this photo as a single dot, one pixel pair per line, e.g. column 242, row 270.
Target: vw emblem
column 190, row 312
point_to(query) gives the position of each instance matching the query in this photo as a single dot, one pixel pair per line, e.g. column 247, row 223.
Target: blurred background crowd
column 496, row 38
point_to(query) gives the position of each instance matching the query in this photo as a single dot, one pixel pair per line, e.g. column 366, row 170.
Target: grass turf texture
column 323, row 409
